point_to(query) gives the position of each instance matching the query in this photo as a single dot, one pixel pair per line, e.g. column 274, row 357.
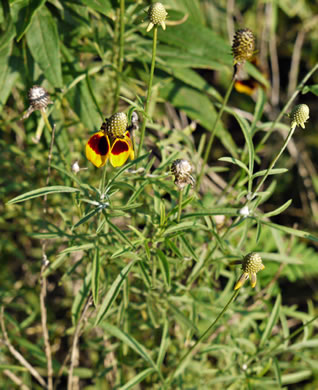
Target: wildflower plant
column 123, row 277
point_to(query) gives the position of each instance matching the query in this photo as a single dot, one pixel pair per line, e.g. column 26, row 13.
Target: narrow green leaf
column 288, row 230
column 112, row 293
column 88, row 216
column 310, row 88
column 119, row 233
column 271, row 321
column 279, row 210
column 43, row 42
column 137, row 379
column 248, row 138
column 62, row 256
column 125, row 167
column 277, row 371
column 41, row 192
column 275, row 171
column 164, row 343
column 187, row 244
column 236, row 162
column 259, row 108
column 214, row 211
column 165, row 268
column 95, row 276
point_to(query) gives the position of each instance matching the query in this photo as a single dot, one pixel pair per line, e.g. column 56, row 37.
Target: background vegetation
column 128, row 290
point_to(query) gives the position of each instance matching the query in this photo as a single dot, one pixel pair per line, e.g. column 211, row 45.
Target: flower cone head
column 243, row 46
column 182, row 169
column 252, row 263
column 299, row 115
column 157, row 15
column 112, row 141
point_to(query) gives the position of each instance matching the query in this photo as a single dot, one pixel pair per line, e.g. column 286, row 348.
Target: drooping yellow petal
column 120, row 151
column 97, row 149
column 241, row 281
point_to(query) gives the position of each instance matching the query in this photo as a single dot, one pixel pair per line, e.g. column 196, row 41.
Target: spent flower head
column 182, row 169
column 243, row 46
column 251, row 264
column 39, row 99
column 157, row 15
column 299, row 115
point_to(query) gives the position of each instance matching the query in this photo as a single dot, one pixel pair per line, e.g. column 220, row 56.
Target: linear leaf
column 288, row 230
column 137, row 379
column 102, row 6
column 279, row 210
column 271, row 321
column 165, row 269
column 275, row 171
column 236, row 162
column 41, row 192
column 112, row 293
column 120, row 234
column 95, row 276
column 43, row 42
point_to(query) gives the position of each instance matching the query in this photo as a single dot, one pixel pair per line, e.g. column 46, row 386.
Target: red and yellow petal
column 97, row 149
column 121, row 149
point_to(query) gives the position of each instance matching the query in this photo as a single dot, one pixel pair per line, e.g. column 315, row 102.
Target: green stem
column 277, row 120
column 213, row 132
column 179, row 205
column 204, row 335
column 290, row 134
column 153, row 61
column 120, row 64
column 103, row 181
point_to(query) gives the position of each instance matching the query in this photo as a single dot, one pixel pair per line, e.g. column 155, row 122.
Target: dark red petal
column 99, row 144
column 120, row 147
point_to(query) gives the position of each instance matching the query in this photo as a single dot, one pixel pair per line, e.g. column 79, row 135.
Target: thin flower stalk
column 213, row 132
column 152, row 69
column 204, row 335
column 121, row 52
column 285, row 108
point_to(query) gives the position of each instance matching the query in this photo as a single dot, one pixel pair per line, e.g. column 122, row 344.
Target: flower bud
column 243, row 46
column 157, row 15
column 181, row 169
column 299, row 115
column 252, row 263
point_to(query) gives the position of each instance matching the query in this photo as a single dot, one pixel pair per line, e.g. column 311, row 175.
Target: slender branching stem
column 285, row 108
column 290, row 134
column 120, row 63
column 213, row 132
column 152, row 69
column 204, row 335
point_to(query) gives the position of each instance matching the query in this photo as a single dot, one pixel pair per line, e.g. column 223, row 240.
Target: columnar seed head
column 299, row 115
column 116, row 125
column 182, row 169
column 243, row 46
column 157, row 15
column 252, row 263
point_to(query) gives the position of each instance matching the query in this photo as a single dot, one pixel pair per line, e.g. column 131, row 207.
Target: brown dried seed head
column 39, row 98
column 243, row 46
column 182, row 170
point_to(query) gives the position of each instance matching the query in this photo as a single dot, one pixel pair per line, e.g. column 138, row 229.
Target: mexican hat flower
column 252, row 263
column 111, row 141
